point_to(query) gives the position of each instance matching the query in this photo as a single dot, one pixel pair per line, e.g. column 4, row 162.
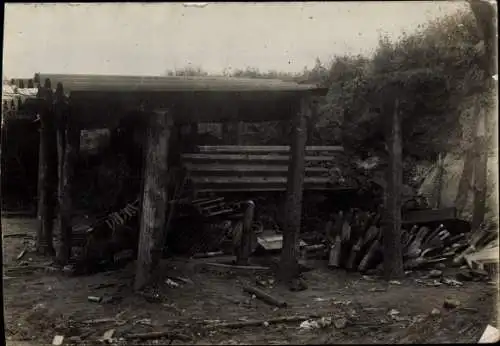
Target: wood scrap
column 335, row 252
column 18, row 235
column 253, row 323
column 236, row 267
column 265, row 297
column 21, row 254
column 208, row 254
column 157, row 335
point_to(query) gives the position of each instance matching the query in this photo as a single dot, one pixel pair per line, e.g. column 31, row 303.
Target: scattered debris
column 451, row 282
column 208, row 254
column 435, row 312
column 94, row 299
column 450, row 303
column 464, row 276
column 325, row 322
column 252, row 323
column 108, row 336
column 265, row 296
column 108, row 285
column 171, row 283
column 297, row 285
column 435, row 273
column 440, row 266
column 309, row 324
column 144, row 321
column 100, row 320
column 393, row 313
column 158, row 335
column 490, row 335
column 377, row 289
column 183, row 280
column 58, row 340
column 340, row 323
column 395, row 282
column 21, row 254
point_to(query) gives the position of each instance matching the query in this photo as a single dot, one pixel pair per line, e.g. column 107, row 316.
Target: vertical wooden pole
column 393, row 257
column 245, row 247
column 47, row 173
column 480, row 172
column 226, row 138
column 154, row 201
column 68, row 140
column 293, row 204
column 438, row 188
column 237, row 130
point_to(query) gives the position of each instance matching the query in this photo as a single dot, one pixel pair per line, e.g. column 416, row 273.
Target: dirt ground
column 362, row 309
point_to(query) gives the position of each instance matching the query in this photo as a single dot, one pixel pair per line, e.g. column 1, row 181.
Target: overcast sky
column 148, row 39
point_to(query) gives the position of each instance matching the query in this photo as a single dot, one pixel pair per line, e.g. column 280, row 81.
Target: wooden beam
column 47, row 173
column 247, row 238
column 393, row 257
column 154, row 201
column 289, row 268
column 68, row 142
column 480, row 171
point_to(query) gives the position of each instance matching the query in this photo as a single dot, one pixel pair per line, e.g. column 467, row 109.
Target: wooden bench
column 232, row 168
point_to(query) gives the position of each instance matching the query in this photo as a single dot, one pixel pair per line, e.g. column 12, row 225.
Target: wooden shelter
column 71, row 103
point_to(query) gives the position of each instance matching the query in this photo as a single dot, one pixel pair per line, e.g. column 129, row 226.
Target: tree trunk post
column 68, row 140
column 237, row 130
column 438, row 188
column 480, row 173
column 154, row 201
column 47, row 173
column 485, row 15
column 393, row 256
column 245, row 247
column 293, row 205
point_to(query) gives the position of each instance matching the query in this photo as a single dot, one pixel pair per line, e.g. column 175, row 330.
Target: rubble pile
column 202, row 225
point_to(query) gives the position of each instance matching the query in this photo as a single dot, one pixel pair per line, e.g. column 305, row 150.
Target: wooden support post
column 154, row 201
column 193, row 129
column 68, row 143
column 438, row 188
column 238, row 129
column 393, row 257
column 311, row 122
column 47, row 173
column 289, row 268
column 226, row 138
column 480, row 172
column 247, row 236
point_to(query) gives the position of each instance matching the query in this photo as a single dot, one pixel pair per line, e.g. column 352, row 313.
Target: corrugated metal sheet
column 231, row 168
column 117, row 83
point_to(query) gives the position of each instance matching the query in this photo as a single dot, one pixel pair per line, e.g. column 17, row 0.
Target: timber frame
column 78, row 101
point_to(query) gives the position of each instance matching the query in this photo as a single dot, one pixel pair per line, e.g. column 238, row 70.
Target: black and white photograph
column 250, row 173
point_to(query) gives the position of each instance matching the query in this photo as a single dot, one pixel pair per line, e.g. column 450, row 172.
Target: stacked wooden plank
column 231, row 168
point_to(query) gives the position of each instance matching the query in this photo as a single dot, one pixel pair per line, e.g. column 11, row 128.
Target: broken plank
column 236, row 267
column 158, row 335
column 265, row 296
column 21, row 254
column 253, row 323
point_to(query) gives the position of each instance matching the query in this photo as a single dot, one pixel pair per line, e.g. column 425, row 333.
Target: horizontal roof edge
column 119, row 83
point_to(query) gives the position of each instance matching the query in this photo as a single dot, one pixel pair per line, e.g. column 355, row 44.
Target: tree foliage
column 435, row 72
